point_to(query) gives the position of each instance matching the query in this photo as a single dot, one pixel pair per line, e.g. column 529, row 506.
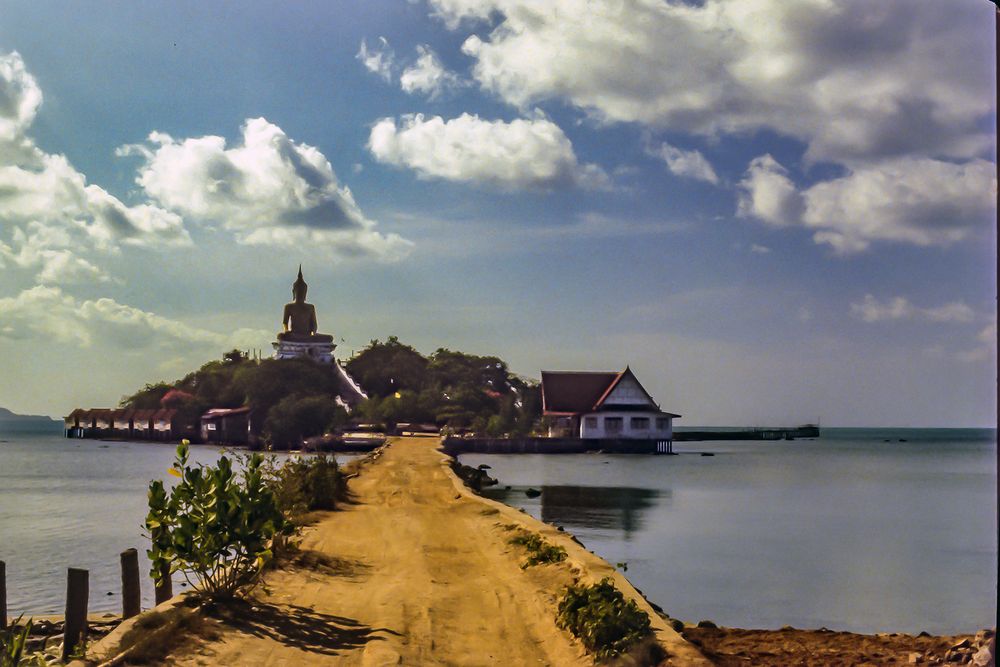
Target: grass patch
column 605, row 622
column 539, row 551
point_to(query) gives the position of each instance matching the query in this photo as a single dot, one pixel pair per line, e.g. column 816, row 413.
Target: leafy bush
column 304, row 484
column 601, row 618
column 214, row 525
column 539, row 551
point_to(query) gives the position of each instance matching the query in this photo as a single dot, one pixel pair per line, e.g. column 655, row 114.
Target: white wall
column 600, row 430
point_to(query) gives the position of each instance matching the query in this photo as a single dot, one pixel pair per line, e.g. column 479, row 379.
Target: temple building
column 602, row 405
column 300, row 338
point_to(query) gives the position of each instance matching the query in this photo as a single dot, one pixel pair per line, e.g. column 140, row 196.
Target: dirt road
column 415, row 571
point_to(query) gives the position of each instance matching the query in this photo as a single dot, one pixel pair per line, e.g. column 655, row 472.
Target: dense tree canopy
column 447, row 388
column 296, row 398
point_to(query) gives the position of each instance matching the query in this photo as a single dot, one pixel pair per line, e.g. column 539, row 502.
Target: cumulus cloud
column 378, row 59
column 769, row 194
column 524, row 153
column 267, row 190
column 427, row 75
column 50, row 214
column 691, row 164
column 871, row 309
column 49, row 313
column 758, row 249
column 920, row 201
column 852, row 79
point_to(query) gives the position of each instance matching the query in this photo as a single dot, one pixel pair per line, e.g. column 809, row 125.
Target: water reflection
column 597, row 507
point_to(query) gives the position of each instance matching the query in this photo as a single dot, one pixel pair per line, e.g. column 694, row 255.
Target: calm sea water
column 76, row 503
column 847, row 531
column 852, row 531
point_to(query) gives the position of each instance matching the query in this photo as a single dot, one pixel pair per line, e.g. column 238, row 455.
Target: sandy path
column 422, row 576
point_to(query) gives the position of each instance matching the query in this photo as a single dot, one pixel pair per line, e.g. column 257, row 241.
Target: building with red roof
column 588, row 404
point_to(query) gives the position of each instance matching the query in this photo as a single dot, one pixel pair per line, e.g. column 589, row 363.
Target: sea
column 866, row 530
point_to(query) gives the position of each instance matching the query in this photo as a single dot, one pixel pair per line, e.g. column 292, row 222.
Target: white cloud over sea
column 523, row 153
column 52, row 315
column 52, row 221
column 267, row 190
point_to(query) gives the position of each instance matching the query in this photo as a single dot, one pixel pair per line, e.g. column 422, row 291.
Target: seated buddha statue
column 299, row 320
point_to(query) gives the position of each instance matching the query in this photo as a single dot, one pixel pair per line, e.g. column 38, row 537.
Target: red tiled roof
column 573, row 391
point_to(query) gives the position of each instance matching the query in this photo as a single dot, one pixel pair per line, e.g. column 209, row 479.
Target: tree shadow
column 297, row 627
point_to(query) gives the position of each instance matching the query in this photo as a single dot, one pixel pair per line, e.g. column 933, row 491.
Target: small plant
column 214, row 525
column 12, row 642
column 600, row 617
column 539, row 551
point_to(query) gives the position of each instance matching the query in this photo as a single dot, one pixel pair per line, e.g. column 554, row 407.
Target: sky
column 775, row 212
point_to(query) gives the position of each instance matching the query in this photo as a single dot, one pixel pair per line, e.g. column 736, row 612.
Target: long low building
column 126, row 423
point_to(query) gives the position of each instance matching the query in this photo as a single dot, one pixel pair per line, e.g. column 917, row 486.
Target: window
column 640, row 423
column 210, row 427
column 662, row 423
column 613, row 424
column 590, row 422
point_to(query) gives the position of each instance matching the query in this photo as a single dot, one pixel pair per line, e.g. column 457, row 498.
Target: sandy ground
column 414, row 573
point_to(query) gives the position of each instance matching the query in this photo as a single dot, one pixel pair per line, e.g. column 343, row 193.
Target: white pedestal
column 286, row 349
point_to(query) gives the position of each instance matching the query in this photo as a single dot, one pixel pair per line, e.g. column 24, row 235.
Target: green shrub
column 539, row 551
column 601, row 618
column 304, row 484
column 214, row 525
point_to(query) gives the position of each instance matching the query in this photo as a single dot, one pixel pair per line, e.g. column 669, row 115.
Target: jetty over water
column 416, row 570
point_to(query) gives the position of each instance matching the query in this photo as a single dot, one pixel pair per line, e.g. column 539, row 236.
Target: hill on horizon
column 8, row 416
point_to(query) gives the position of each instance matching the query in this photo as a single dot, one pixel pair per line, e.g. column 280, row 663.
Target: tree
column 147, row 398
column 382, row 369
column 297, row 417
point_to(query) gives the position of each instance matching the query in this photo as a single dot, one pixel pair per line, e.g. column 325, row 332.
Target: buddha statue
column 299, row 320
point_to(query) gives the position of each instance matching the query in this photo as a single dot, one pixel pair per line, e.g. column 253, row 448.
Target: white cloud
column 50, row 214
column 871, row 309
column 854, row 80
column 758, row 249
column 769, row 194
column 50, row 314
column 524, row 153
column 268, row 190
column 379, row 59
column 427, row 75
column 691, row 164
column 920, row 201
column 20, row 98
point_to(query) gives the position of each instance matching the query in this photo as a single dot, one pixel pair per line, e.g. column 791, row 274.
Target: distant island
column 11, row 421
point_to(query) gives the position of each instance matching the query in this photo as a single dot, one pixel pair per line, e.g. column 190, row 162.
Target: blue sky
column 775, row 212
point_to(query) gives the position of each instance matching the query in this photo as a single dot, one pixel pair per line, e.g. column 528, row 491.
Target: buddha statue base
column 317, row 347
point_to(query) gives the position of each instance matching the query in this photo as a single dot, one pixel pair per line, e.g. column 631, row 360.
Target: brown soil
column 789, row 647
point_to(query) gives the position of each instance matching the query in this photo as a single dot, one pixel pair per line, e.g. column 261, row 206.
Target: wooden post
column 75, row 625
column 3, row 595
column 131, row 597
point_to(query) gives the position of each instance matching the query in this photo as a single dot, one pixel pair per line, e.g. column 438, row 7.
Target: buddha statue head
column 299, row 288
